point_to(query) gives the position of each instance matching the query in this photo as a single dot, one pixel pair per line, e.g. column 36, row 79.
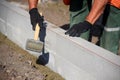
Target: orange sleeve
column 115, row 3
column 66, row 2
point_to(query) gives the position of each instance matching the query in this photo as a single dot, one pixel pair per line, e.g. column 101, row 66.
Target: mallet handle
column 37, row 29
column 36, row 34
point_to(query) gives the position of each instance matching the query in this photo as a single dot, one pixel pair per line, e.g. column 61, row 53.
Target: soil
column 17, row 64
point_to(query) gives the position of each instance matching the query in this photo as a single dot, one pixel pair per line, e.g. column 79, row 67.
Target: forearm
column 97, row 9
column 66, row 2
column 32, row 4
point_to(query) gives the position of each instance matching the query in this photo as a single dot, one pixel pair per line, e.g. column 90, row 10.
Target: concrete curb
column 73, row 58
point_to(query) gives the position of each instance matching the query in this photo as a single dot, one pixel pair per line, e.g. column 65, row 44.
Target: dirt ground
column 17, row 64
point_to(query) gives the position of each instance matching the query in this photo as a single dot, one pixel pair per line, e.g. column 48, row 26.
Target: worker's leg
column 111, row 33
column 78, row 15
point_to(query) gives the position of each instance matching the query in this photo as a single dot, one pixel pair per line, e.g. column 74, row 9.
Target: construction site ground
column 17, row 64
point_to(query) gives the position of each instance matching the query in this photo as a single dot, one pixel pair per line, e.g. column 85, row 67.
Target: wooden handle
column 40, row 13
column 37, row 28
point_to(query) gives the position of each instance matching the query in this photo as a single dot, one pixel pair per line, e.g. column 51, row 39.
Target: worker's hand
column 36, row 18
column 96, row 30
column 77, row 29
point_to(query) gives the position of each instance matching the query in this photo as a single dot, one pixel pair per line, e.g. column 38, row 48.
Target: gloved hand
column 97, row 30
column 43, row 59
column 35, row 18
column 77, row 29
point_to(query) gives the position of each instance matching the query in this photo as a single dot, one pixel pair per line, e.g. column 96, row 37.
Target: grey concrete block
column 73, row 58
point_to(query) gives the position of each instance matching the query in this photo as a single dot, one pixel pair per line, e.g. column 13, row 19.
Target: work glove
column 98, row 27
column 96, row 30
column 35, row 18
column 43, row 59
column 77, row 29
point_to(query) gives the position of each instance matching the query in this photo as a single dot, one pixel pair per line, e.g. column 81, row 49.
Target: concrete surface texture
column 72, row 58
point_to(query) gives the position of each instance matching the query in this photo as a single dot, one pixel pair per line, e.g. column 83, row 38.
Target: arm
column 66, row 2
column 32, row 4
column 35, row 17
column 97, row 9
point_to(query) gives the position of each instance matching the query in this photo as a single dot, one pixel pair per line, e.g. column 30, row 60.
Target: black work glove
column 35, row 18
column 98, row 27
column 97, row 30
column 77, row 29
column 43, row 59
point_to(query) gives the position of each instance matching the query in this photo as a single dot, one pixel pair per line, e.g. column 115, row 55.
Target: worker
column 79, row 9
column 111, row 34
column 112, row 25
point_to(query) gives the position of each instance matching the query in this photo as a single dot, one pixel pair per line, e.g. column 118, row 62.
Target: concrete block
column 3, row 26
column 73, row 58
column 99, row 63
